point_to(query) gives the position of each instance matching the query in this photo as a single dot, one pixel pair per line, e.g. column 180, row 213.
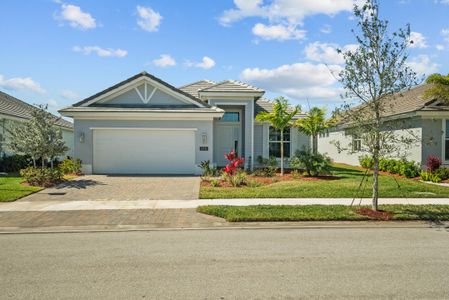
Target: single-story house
column 144, row 125
column 13, row 110
column 424, row 121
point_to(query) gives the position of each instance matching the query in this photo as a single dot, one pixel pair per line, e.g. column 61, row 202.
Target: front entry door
column 227, row 138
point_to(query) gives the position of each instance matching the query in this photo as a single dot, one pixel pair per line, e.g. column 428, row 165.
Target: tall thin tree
column 373, row 74
column 313, row 124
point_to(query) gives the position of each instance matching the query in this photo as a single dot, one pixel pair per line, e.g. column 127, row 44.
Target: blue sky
column 59, row 52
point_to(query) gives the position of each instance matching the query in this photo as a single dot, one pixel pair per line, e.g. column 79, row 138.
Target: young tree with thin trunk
column 38, row 137
column 280, row 118
column 373, row 74
column 313, row 124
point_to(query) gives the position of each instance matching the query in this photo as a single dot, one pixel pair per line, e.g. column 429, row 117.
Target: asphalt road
column 228, row 264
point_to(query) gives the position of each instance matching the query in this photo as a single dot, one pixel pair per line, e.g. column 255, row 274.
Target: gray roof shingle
column 195, row 87
column 14, row 107
column 263, row 104
column 232, row 86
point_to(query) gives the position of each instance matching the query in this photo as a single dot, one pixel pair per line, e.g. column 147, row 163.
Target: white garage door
column 143, row 151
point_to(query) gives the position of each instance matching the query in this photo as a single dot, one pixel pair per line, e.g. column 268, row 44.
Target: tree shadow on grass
column 436, row 217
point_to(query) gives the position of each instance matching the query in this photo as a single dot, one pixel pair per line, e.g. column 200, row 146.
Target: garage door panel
column 141, row 151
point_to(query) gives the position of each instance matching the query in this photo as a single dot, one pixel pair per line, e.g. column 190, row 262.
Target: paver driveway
column 105, row 187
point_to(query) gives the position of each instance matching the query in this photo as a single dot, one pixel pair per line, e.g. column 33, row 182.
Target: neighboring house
column 423, row 121
column 13, row 110
column 144, row 125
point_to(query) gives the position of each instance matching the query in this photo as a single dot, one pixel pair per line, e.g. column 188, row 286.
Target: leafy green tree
column 38, row 137
column 439, row 89
column 373, row 74
column 314, row 123
column 280, row 118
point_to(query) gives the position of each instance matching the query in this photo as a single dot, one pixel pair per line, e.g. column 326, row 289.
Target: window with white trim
column 356, row 143
column 274, row 142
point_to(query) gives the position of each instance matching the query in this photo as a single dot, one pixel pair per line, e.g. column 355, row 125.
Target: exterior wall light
column 204, row 138
column 82, row 137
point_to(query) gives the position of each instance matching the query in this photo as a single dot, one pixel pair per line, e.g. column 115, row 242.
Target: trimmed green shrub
column 70, row 166
column 208, row 170
column 14, row 163
column 236, row 179
column 409, row 169
column 429, row 176
column 41, row 176
column 442, row 172
column 313, row 164
column 268, row 166
column 394, row 166
column 366, row 161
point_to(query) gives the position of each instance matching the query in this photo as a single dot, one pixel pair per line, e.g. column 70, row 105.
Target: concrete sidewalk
column 179, row 204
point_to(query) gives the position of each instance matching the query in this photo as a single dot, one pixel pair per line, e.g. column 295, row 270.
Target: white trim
column 252, row 138
column 228, row 94
column 143, row 128
column 151, row 95
column 231, row 103
column 145, row 115
column 142, row 98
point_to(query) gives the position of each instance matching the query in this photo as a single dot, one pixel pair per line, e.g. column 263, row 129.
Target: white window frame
column 356, row 141
column 279, row 142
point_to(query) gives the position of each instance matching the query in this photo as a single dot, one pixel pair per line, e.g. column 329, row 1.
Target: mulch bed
column 376, row 215
column 270, row 180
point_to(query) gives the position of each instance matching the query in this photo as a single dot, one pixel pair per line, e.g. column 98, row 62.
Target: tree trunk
column 42, row 162
column 282, row 152
column 375, row 182
column 314, row 144
column 51, row 164
column 34, row 162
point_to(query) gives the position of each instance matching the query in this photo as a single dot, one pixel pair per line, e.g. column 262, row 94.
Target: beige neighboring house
column 144, row 125
column 423, row 120
column 13, row 110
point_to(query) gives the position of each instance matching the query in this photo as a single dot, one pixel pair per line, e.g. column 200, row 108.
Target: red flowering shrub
column 433, row 163
column 232, row 173
column 234, row 163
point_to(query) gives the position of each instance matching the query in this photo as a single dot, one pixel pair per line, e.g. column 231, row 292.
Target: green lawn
column 273, row 213
column 11, row 189
column 345, row 187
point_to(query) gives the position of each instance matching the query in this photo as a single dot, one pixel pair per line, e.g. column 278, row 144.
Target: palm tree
column 439, row 89
column 314, row 123
column 279, row 118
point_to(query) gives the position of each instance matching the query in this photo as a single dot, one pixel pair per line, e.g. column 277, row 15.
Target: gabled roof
column 14, row 107
column 265, row 105
column 194, row 87
column 404, row 102
column 135, row 77
column 232, row 86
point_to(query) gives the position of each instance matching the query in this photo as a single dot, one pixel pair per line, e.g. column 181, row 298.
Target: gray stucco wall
column 83, row 151
column 413, row 129
column 432, row 133
column 258, row 141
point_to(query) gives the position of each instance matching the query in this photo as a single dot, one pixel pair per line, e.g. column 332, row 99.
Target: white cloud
column 165, row 60
column 76, row 17
column 445, row 45
column 299, row 81
column 327, row 53
column 102, row 52
column 19, row 83
column 278, row 32
column 418, row 39
column 69, row 95
column 149, row 19
column 422, row 65
column 206, row 63
column 52, row 103
column 326, row 29
column 292, row 11
column 444, row 1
